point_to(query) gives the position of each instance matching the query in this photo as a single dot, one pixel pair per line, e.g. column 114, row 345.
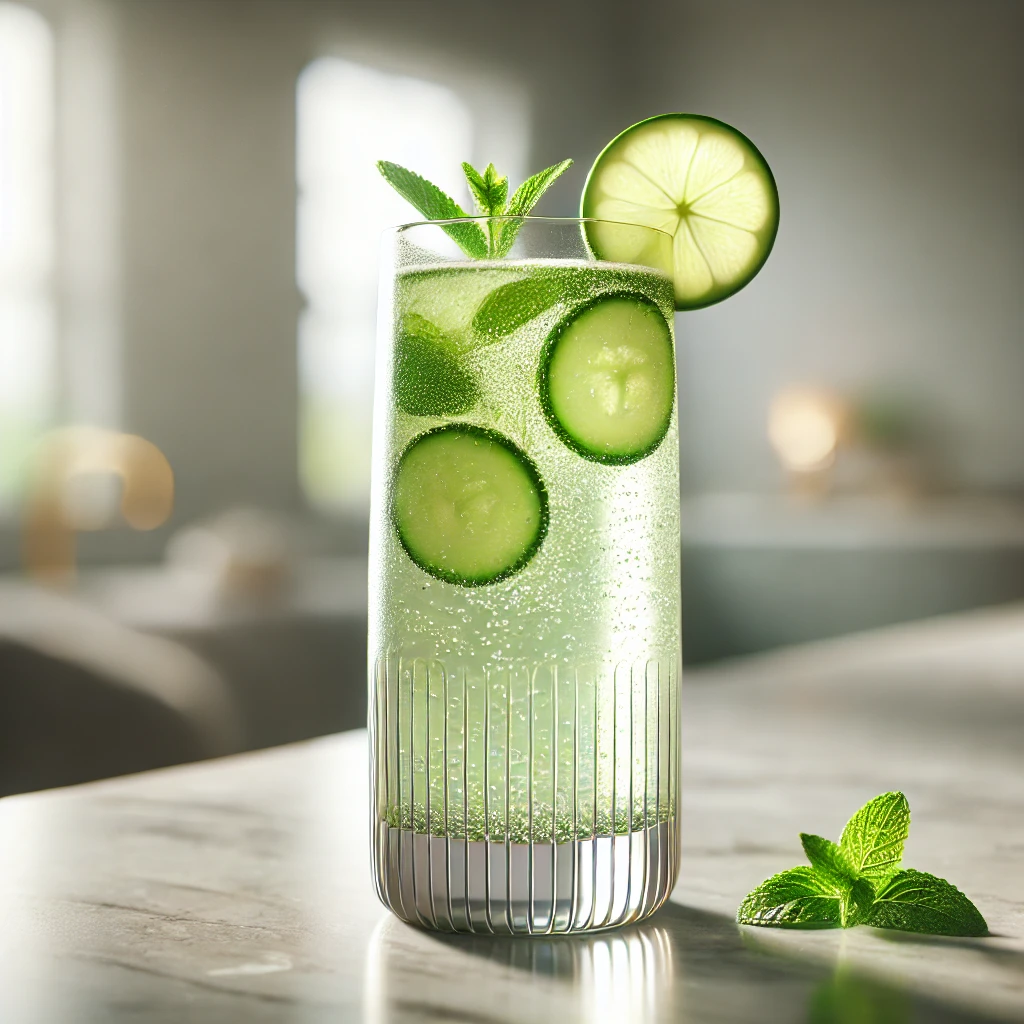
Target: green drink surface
column 542, row 705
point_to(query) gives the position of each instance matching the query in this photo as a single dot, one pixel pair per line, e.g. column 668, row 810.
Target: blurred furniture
column 83, row 697
column 294, row 660
column 758, row 573
column 240, row 890
column 763, row 571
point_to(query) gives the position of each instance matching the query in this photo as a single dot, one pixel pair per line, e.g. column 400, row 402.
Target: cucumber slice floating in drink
column 607, row 378
column 468, row 505
column 701, row 181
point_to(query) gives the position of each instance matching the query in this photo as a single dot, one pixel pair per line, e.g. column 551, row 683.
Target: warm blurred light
column 76, row 478
column 803, row 427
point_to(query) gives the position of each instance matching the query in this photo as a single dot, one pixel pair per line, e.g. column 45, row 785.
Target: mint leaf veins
column 489, row 190
column 873, row 838
column 825, row 855
column 435, row 205
column 490, row 197
column 914, row 901
column 860, row 881
column 507, row 308
column 807, row 897
column 524, row 200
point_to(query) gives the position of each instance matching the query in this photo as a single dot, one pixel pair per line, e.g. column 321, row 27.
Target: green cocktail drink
column 525, row 599
column 524, row 574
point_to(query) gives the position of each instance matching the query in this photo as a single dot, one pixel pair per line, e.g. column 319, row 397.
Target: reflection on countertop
column 239, row 890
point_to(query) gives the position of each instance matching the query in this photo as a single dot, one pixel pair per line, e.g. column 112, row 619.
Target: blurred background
column 188, row 232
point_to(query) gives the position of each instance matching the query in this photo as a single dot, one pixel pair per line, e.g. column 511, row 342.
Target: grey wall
column 896, row 133
column 209, row 201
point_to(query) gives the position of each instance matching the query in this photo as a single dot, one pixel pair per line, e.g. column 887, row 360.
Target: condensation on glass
column 524, row 733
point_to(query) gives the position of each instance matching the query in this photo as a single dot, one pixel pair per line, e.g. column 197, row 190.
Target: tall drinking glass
column 524, row 646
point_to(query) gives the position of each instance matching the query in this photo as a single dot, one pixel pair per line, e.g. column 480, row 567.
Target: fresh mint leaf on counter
column 860, row 881
column 914, row 901
column 873, row 838
column 807, row 897
column 825, row 855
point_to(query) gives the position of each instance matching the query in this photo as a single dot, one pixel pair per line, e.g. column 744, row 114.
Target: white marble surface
column 239, row 890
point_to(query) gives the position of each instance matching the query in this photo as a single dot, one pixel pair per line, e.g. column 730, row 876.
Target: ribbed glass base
column 525, row 888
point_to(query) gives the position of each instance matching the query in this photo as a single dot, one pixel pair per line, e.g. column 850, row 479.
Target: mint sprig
column 435, row 205
column 489, row 190
column 490, row 196
column 860, row 881
column 525, row 197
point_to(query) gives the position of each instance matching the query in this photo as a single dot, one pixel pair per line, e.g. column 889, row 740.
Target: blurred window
column 27, row 317
column 349, row 117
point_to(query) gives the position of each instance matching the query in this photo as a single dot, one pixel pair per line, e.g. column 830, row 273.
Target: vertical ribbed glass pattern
column 538, row 800
column 524, row 717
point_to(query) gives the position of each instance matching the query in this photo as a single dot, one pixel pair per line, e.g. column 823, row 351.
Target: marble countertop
column 239, row 889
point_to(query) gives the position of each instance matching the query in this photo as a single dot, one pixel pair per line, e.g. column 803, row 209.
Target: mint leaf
column 417, row 326
column 859, row 881
column 429, row 378
column 806, row 897
column 489, row 192
column 435, row 205
column 525, row 197
column 872, row 841
column 826, row 855
column 507, row 308
column 488, row 189
column 914, row 901
column 523, row 200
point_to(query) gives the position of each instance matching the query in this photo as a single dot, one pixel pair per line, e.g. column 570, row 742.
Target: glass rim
column 538, row 220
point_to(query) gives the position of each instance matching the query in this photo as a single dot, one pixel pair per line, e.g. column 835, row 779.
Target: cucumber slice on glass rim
column 468, row 505
column 701, row 181
column 607, row 378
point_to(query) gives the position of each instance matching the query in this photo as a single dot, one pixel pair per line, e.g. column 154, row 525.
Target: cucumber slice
column 607, row 378
column 700, row 180
column 429, row 379
column 468, row 505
